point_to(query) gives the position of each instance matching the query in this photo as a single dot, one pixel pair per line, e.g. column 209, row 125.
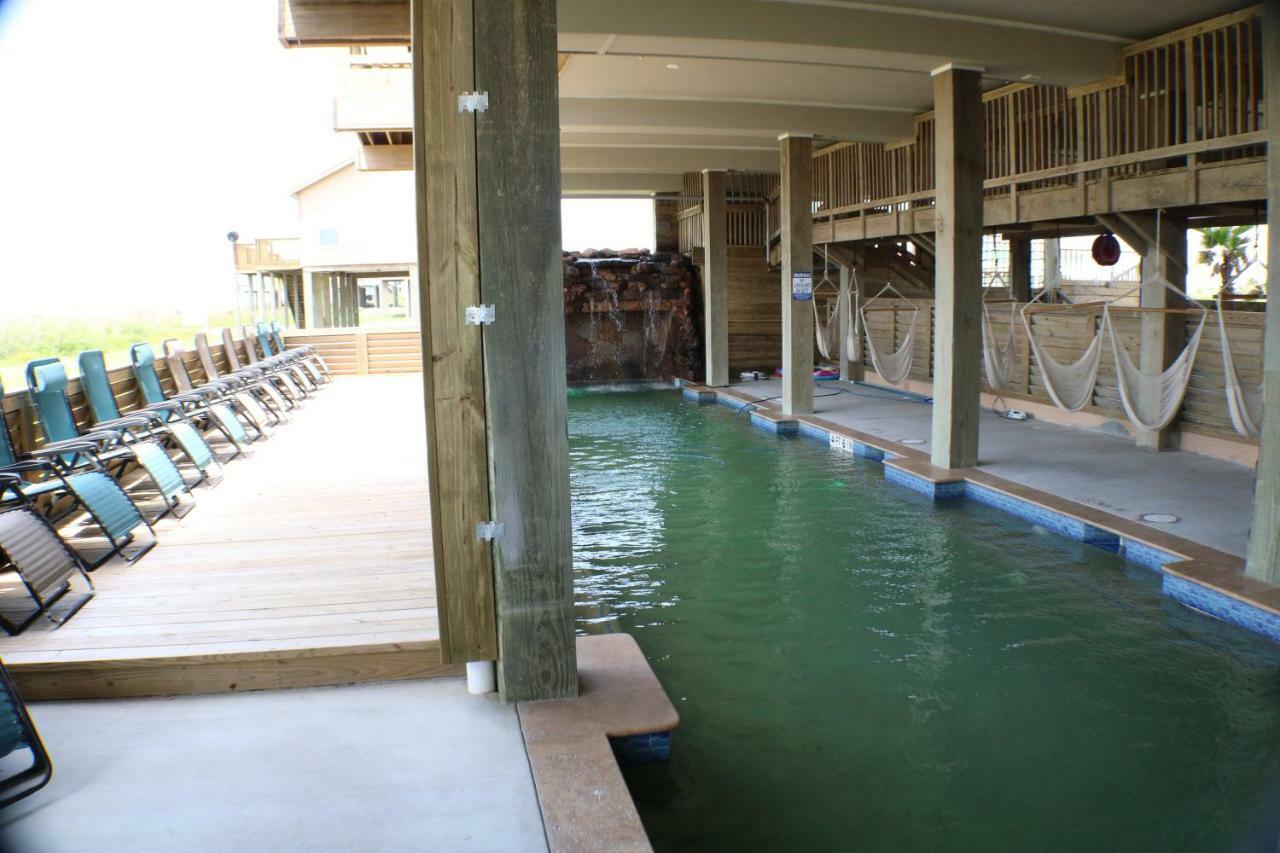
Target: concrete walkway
column 1211, row 498
column 405, row 766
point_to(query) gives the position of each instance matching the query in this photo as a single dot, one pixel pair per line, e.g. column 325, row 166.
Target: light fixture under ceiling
column 673, row 66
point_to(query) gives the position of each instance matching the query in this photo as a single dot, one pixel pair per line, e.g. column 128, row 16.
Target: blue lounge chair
column 31, row 548
column 151, row 423
column 183, row 412
column 18, row 733
column 91, row 489
column 113, row 448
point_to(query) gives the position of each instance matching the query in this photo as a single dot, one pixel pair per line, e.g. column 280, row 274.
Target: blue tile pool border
column 652, row 748
column 1183, row 590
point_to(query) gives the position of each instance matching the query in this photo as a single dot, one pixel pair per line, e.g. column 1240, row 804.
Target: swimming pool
column 859, row 667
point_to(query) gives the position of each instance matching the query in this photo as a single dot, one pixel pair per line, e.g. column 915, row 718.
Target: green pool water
column 858, row 668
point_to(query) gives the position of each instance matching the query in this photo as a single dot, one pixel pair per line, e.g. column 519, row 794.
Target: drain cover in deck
column 1160, row 518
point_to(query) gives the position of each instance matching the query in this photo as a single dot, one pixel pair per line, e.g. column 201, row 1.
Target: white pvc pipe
column 480, row 677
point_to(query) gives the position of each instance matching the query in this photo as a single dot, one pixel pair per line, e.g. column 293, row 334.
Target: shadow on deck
column 310, row 564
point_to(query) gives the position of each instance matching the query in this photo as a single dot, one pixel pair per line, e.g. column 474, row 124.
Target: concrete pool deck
column 398, row 766
column 1212, row 498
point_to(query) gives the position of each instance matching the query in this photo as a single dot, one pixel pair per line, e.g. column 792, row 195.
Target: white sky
column 135, row 139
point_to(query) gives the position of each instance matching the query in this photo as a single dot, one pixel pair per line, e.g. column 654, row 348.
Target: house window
column 328, row 236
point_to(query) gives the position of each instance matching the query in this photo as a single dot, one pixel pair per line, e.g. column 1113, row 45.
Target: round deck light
column 1160, row 518
column 911, row 441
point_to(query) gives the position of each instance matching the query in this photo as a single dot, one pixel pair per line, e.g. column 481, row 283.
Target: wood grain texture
column 957, row 98
column 797, row 256
column 715, row 277
column 445, row 156
column 1263, row 561
column 518, row 192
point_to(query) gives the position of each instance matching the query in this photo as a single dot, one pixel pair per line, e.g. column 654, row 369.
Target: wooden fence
column 1065, row 335
column 348, row 352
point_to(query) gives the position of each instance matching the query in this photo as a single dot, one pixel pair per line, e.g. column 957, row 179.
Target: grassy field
column 40, row 337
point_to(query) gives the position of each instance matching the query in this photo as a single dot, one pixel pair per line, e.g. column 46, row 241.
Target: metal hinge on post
column 487, row 531
column 480, row 315
column 473, row 102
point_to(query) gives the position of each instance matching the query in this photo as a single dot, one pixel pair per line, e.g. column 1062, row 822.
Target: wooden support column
column 453, row 366
column 1263, row 556
column 959, row 166
column 1052, row 261
column 1162, row 336
column 796, row 153
column 311, row 300
column 715, row 276
column 507, row 160
column 1020, row 269
column 666, row 223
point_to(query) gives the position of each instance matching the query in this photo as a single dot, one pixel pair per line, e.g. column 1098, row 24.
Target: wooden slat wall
column 755, row 312
column 395, row 352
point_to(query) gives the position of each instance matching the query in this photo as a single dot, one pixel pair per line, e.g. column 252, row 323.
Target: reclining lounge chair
column 156, row 423
column 17, row 732
column 46, row 566
column 110, row 448
column 310, row 356
column 248, row 385
column 190, row 408
column 288, row 396
column 91, row 489
column 219, row 397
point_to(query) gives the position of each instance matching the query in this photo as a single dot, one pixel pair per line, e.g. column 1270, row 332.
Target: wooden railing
column 748, row 223
column 1185, row 100
column 276, row 253
column 357, row 352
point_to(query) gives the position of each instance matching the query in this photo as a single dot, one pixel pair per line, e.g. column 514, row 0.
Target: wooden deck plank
column 310, row 564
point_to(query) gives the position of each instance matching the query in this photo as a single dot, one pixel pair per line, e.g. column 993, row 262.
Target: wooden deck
column 309, row 564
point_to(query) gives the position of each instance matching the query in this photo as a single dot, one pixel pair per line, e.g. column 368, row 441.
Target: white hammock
column 997, row 358
column 1152, row 402
column 824, row 331
column 1243, row 404
column 1070, row 386
column 851, row 345
column 896, row 366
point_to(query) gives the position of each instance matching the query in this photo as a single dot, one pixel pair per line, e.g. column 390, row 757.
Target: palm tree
column 1223, row 250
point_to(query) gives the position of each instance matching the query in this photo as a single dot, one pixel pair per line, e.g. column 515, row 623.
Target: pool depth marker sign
column 801, row 286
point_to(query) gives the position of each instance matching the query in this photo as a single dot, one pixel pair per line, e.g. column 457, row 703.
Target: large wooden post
column 1264, row 537
column 453, row 374
column 1162, row 335
column 1052, row 261
column 957, row 98
column 494, row 177
column 715, row 276
column 1020, row 269
column 796, row 233
column 311, row 300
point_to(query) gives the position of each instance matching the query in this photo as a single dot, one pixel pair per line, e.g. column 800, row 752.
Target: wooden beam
column 959, row 164
column 518, row 192
column 796, row 163
column 715, row 277
column 453, row 374
column 666, row 223
column 1020, row 269
column 1162, row 336
column 1263, row 560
